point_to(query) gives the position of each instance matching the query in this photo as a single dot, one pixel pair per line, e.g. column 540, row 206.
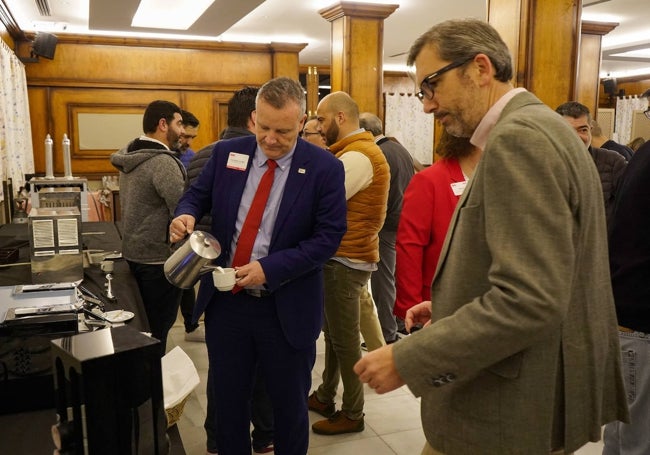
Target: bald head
column 342, row 102
column 338, row 116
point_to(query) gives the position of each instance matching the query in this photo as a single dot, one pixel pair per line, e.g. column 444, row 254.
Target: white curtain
column 406, row 121
column 16, row 152
column 625, row 107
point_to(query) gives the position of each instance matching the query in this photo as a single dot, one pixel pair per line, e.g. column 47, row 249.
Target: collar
column 259, row 158
column 480, row 137
column 147, row 138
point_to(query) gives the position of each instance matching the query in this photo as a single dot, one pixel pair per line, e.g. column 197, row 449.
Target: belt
column 624, row 329
column 258, row 292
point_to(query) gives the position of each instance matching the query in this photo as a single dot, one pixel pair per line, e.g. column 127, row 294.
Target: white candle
column 49, row 173
column 67, row 164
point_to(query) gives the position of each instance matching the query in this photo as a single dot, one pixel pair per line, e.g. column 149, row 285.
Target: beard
column 173, row 139
column 465, row 116
column 453, row 146
column 332, row 134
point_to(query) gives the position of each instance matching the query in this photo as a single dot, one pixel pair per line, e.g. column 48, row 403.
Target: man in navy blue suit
column 274, row 321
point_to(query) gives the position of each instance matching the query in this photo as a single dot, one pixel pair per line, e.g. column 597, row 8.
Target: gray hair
column 371, row 122
column 463, row 39
column 277, row 92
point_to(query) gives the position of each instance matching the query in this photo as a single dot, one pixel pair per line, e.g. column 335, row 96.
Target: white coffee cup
column 224, row 278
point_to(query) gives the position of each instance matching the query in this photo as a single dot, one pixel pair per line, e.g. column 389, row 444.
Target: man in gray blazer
column 519, row 353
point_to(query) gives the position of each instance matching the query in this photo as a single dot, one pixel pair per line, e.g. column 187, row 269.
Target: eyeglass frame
column 308, row 133
column 647, row 113
column 427, row 79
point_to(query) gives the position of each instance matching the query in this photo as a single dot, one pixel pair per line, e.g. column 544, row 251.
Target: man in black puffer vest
column 240, row 123
column 609, row 163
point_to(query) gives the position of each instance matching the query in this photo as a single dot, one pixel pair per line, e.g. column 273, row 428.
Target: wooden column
column 544, row 38
column 589, row 62
column 285, row 59
column 357, row 51
column 312, row 90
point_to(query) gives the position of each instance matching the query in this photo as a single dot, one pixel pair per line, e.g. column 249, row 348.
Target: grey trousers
column 382, row 283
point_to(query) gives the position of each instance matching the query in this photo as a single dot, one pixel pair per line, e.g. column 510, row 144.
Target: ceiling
column 298, row 21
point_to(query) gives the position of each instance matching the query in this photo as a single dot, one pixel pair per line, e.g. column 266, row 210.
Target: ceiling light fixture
column 169, row 14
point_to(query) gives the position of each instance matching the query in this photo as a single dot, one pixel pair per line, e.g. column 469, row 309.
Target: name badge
column 237, row 161
column 458, row 187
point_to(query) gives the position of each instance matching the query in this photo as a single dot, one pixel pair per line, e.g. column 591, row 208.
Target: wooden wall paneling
column 507, row 16
column 201, row 105
column 221, row 116
column 67, row 102
column 216, row 119
column 103, row 75
column 634, row 86
column 6, row 37
column 339, row 57
column 588, row 71
column 147, row 68
column 552, row 72
column 547, row 67
column 285, row 59
column 312, row 90
column 588, row 78
column 357, row 51
column 365, row 71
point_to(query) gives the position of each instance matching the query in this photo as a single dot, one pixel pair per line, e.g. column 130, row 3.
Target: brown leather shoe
column 324, row 409
column 339, row 423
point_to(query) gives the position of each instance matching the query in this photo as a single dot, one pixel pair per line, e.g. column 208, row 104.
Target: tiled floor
column 392, row 420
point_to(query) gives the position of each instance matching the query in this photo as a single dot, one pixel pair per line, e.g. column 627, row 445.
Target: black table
column 27, row 402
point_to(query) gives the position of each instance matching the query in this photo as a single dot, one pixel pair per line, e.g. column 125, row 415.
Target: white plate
column 118, row 315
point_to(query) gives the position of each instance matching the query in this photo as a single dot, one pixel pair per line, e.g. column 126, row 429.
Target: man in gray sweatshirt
column 152, row 180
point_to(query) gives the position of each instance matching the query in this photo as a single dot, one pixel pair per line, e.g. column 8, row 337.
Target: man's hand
column 180, row 227
column 377, row 369
column 251, row 274
column 418, row 315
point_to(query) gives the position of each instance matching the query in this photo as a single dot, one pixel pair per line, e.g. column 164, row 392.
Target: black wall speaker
column 44, row 45
column 610, row 86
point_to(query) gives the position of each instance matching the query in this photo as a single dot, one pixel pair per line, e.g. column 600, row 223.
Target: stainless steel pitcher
column 191, row 259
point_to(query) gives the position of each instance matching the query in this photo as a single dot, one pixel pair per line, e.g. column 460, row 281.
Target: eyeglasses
column 428, row 84
column 647, row 113
column 309, row 133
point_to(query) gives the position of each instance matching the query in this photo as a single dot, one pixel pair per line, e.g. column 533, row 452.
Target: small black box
column 108, row 388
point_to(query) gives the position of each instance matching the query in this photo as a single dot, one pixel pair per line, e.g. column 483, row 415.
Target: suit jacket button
column 450, row 377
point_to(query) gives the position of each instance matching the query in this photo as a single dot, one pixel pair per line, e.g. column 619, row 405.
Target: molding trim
column 69, row 38
column 357, row 9
column 598, row 28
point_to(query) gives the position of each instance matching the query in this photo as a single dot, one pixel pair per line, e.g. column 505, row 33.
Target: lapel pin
column 301, row 170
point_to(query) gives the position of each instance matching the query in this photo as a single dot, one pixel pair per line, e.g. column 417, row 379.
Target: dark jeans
column 161, row 299
column 261, row 415
column 188, row 298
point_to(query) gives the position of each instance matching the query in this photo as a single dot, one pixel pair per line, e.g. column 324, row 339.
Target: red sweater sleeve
column 429, row 203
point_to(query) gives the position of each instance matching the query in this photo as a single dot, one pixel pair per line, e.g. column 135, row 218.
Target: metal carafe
column 191, row 259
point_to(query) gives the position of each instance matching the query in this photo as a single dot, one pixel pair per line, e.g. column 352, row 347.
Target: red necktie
column 253, row 219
